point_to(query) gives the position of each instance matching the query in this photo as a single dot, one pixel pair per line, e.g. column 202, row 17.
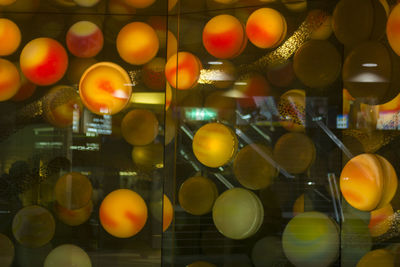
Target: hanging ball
column 10, row 37
column 183, row 70
column 139, row 127
column 84, row 39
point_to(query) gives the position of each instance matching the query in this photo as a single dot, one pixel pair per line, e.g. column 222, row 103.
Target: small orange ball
column 139, row 127
column 224, row 37
column 137, row 43
column 183, row 70
column 392, row 29
column 123, row 213
column 10, row 37
column 9, row 80
column 44, row 61
column 84, row 39
column 266, row 28
column 105, row 88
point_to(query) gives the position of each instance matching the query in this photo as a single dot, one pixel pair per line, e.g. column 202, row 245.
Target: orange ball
column 84, row 39
column 137, row 43
column 10, row 37
column 214, row 144
column 183, row 70
column 123, row 213
column 9, row 80
column 168, row 213
column 139, row 127
column 266, row 28
column 392, row 29
column 105, row 88
column 368, row 182
column 139, row 3
column 153, row 74
column 44, row 61
column 224, row 36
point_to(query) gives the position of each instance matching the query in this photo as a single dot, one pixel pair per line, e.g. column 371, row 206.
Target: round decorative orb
column 292, row 110
column 139, row 127
column 311, row 239
column 294, row 152
column 26, row 89
column 137, row 43
column 153, row 74
column 250, row 87
column 266, row 28
column 381, row 220
column 368, row 24
column 43, row 61
column 253, row 166
column 377, row 257
column 267, row 252
column 123, row 213
column 67, row 255
column 223, row 74
column 148, row 157
column 197, row 195
column 60, row 105
column 86, row 3
column 324, row 31
column 368, row 182
column 105, row 88
column 73, row 190
column 10, row 37
column 6, row 2
column 224, row 37
column 224, row 106
column 139, row 3
column 367, row 72
column 9, row 80
column 295, row 5
column 238, row 213
column 33, row 226
column 214, row 144
column 77, row 67
column 7, row 251
column 392, row 31
column 183, row 70
column 73, row 217
column 201, row 264
column 317, row 63
column 84, row 39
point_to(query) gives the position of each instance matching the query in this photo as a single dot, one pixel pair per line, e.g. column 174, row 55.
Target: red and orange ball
column 224, row 37
column 137, row 43
column 43, row 61
column 84, row 39
column 10, row 37
column 183, row 70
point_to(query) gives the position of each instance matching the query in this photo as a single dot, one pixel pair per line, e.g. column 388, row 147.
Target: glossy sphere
column 137, row 43
column 139, row 3
column 9, row 80
column 381, row 220
column 197, row 195
column 250, row 87
column 183, row 70
column 105, row 88
column 294, row 152
column 148, row 157
column 392, row 29
column 7, row 251
column 292, row 110
column 73, row 217
column 10, row 37
column 60, row 105
column 123, row 213
column 238, row 213
column 33, row 226
column 317, row 63
column 67, row 256
column 153, row 74
column 139, row 127
column 224, row 37
column 368, row 182
column 253, row 166
column 44, row 61
column 377, row 257
column 266, row 28
column 201, row 264
column 214, row 144
column 311, row 239
column 73, row 190
column 84, row 39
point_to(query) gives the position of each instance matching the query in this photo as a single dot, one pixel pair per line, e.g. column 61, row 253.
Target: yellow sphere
column 377, row 257
column 214, row 144
column 139, row 127
column 123, row 213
